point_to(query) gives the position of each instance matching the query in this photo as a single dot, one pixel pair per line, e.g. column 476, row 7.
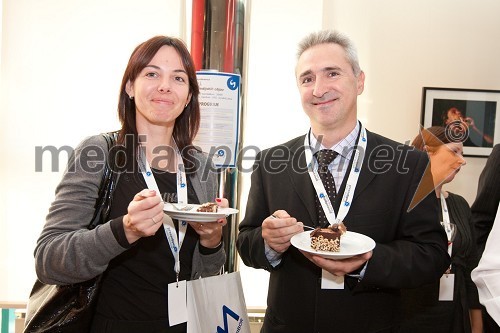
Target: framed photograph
column 469, row 115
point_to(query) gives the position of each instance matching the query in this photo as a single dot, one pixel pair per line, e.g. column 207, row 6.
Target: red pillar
column 197, row 23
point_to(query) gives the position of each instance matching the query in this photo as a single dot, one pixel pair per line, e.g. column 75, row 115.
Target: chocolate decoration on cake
column 208, row 207
column 327, row 239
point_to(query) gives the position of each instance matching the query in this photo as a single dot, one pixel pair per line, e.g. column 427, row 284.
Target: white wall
column 273, row 112
column 62, row 64
column 406, row 45
column 62, row 61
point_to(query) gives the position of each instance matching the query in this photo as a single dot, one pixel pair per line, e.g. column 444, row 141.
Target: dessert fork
column 305, row 226
column 182, row 207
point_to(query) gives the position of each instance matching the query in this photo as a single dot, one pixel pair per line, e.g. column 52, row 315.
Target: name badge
column 177, row 306
column 446, row 287
column 330, row 281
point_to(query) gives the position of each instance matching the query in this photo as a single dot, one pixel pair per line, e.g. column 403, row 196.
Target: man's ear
column 361, row 82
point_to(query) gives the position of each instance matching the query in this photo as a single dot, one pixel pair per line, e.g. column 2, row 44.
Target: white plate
column 193, row 216
column 351, row 244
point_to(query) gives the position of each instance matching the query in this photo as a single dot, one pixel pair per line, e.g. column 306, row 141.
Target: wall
column 273, row 111
column 61, row 65
column 407, row 45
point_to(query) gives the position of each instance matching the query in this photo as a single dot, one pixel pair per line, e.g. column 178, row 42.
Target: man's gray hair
column 331, row 37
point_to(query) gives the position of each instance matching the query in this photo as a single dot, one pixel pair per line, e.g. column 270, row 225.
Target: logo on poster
column 233, row 82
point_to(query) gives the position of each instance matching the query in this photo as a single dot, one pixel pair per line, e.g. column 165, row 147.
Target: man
column 485, row 205
column 487, row 274
column 484, row 210
column 309, row 293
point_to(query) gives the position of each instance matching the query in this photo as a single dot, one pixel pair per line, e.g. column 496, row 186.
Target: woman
column 426, row 309
column 159, row 112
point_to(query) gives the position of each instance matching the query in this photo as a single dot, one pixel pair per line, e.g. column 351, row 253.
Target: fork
column 305, row 226
column 182, row 207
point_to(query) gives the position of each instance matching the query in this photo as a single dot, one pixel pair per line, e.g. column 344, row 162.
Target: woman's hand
column 211, row 232
column 144, row 217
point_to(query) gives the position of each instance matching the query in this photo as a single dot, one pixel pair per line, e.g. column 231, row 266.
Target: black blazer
column 411, row 247
column 485, row 205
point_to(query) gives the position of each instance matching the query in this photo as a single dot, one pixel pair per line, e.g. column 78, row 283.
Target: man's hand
column 339, row 267
column 279, row 228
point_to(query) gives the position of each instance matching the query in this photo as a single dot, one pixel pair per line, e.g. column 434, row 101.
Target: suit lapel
column 299, row 178
column 366, row 175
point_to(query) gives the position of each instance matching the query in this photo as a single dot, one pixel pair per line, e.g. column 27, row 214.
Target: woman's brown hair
column 432, row 137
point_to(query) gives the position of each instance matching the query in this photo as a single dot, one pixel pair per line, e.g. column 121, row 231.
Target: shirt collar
column 344, row 147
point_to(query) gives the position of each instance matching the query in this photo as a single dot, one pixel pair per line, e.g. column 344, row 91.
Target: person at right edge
column 484, row 210
column 430, row 308
column 361, row 294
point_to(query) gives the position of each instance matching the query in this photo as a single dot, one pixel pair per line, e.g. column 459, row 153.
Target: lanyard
column 352, row 179
column 174, row 242
column 446, row 222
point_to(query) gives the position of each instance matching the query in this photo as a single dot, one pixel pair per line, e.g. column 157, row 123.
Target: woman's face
column 161, row 90
column 446, row 162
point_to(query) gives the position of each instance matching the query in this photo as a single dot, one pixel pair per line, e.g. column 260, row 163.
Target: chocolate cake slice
column 208, row 207
column 327, row 239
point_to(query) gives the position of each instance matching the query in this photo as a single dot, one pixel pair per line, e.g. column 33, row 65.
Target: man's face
column 328, row 87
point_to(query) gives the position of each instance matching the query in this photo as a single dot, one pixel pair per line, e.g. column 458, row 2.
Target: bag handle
column 109, row 179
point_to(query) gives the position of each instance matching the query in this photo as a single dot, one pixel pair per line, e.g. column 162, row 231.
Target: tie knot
column 325, row 157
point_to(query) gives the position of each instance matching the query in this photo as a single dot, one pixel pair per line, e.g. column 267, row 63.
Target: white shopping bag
column 217, row 305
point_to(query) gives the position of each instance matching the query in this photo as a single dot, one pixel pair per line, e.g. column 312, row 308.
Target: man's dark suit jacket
column 484, row 210
column 411, row 247
column 485, row 205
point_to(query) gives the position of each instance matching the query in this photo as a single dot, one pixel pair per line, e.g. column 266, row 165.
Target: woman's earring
column 131, row 98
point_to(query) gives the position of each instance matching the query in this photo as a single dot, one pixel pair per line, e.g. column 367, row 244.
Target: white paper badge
column 446, row 287
column 330, row 281
column 177, row 307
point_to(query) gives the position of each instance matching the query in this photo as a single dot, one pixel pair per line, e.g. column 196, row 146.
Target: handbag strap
column 109, row 179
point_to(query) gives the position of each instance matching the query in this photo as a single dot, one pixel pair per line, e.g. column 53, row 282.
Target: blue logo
column 321, row 195
column 225, row 312
column 183, row 185
column 175, row 248
column 346, row 203
column 233, row 82
column 363, row 138
column 183, row 223
column 356, row 169
column 148, row 173
column 221, row 152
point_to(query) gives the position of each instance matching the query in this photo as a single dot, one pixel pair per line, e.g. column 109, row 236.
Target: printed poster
column 220, row 107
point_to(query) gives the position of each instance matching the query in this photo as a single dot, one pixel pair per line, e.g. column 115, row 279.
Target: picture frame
column 471, row 116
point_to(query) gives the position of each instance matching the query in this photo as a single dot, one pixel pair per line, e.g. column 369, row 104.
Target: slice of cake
column 208, row 207
column 327, row 239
